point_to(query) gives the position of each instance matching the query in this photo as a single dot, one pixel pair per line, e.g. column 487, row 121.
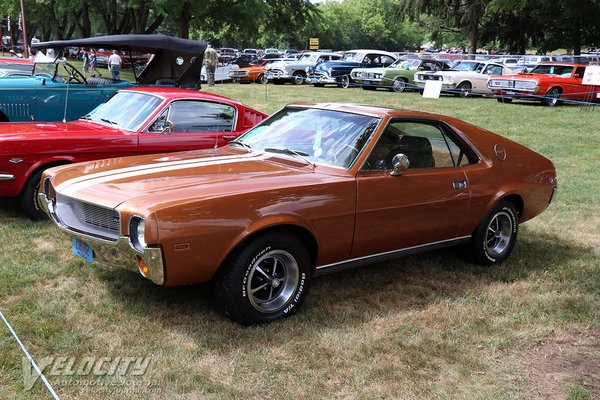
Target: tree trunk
column 183, row 22
column 473, row 37
column 577, row 38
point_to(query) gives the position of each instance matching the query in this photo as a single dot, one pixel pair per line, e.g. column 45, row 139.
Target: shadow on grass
column 345, row 300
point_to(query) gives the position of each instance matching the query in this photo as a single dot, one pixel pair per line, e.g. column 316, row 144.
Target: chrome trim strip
column 388, row 255
column 6, row 177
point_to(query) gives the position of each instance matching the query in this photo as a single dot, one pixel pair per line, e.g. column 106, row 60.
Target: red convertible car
column 315, row 188
column 134, row 121
column 548, row 82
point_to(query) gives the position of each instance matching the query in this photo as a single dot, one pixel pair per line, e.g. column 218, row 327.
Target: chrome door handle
column 459, row 185
column 229, row 137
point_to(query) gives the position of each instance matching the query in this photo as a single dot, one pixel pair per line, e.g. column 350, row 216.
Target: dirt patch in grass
column 551, row 366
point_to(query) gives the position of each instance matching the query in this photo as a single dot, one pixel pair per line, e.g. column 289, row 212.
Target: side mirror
column 577, row 76
column 400, row 163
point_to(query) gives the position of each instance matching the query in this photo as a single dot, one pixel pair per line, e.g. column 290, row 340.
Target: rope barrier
column 31, row 361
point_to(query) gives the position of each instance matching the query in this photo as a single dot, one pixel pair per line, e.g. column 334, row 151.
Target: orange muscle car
column 253, row 73
column 315, row 188
column 548, row 83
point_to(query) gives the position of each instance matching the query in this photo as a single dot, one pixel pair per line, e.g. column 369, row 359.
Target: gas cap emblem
column 500, row 152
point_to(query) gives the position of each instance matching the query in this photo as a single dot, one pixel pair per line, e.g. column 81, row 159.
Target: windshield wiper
column 86, row 117
column 108, row 121
column 244, row 145
column 292, row 152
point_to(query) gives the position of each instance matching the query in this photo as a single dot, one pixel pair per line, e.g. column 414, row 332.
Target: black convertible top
column 175, row 61
column 137, row 43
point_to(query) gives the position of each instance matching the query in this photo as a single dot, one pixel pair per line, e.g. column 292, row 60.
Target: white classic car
column 465, row 78
column 295, row 71
column 222, row 73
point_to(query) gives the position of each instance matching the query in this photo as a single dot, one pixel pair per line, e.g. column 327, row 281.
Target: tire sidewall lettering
column 250, row 266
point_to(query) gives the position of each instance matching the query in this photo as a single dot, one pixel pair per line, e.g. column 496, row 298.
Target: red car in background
column 548, row 82
column 134, row 121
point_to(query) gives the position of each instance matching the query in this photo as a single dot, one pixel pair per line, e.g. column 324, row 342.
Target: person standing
column 86, row 62
column 114, row 65
column 211, row 58
column 93, row 63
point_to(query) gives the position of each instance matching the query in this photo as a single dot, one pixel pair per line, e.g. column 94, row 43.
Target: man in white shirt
column 114, row 65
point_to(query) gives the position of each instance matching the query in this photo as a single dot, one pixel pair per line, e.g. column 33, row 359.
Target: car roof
column 374, row 111
column 565, row 64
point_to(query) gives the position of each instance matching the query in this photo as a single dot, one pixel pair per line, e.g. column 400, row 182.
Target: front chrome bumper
column 320, row 79
column 113, row 254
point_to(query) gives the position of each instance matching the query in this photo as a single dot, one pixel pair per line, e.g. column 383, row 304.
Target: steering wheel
column 334, row 152
column 74, row 74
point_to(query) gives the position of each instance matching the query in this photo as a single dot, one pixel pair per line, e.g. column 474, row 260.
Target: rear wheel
column 495, row 237
column 28, row 199
column 399, row 85
column 265, row 279
column 551, row 97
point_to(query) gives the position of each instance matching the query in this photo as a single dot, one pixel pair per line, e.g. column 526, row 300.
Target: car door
column 573, row 87
column 427, row 204
column 189, row 125
column 480, row 82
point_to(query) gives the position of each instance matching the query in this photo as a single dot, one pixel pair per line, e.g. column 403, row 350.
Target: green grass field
column 429, row 326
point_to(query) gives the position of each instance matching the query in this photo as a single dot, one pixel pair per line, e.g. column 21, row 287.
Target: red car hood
column 23, row 135
column 150, row 181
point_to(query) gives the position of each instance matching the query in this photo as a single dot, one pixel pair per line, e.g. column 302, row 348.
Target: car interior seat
column 417, row 149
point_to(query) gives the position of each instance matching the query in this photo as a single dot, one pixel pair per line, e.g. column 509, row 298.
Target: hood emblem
column 15, row 160
column 500, row 152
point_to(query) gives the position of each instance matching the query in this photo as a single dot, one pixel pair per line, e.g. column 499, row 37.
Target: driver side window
column 196, row 116
column 424, row 143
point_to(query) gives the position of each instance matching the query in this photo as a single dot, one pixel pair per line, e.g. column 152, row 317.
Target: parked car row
column 548, row 82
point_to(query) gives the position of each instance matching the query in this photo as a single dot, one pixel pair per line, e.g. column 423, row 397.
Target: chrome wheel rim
column 398, row 85
column 499, row 233
column 464, row 90
column 298, row 79
column 345, row 81
column 272, row 281
column 554, row 95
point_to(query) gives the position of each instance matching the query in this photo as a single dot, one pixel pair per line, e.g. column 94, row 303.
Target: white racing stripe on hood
column 72, row 186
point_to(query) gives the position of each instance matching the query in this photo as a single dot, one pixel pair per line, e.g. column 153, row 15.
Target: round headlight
column 136, row 233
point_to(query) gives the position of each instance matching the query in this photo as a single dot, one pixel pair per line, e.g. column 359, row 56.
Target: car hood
column 147, row 182
column 24, row 137
column 324, row 66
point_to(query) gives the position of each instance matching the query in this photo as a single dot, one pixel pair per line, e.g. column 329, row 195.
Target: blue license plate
column 83, row 250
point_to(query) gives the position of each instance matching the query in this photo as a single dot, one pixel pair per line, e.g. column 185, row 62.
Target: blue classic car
column 57, row 91
column 338, row 72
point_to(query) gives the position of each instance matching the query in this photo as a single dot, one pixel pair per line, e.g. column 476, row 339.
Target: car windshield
column 564, row 71
column 350, row 56
column 466, row 66
column 411, row 64
column 325, row 137
column 126, row 110
column 308, row 57
column 44, row 69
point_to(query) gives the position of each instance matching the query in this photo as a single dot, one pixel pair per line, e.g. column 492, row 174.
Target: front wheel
column 464, row 89
column 399, row 85
column 551, row 97
column 264, row 280
column 262, row 78
column 298, row 78
column 495, row 237
column 28, row 199
column 345, row 82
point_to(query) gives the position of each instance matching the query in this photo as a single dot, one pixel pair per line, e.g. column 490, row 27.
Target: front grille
column 88, row 218
column 100, row 217
column 431, row 77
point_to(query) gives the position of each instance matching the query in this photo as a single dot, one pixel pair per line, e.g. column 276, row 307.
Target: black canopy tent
column 175, row 59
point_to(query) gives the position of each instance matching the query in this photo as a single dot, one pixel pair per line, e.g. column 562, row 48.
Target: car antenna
column 66, row 99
